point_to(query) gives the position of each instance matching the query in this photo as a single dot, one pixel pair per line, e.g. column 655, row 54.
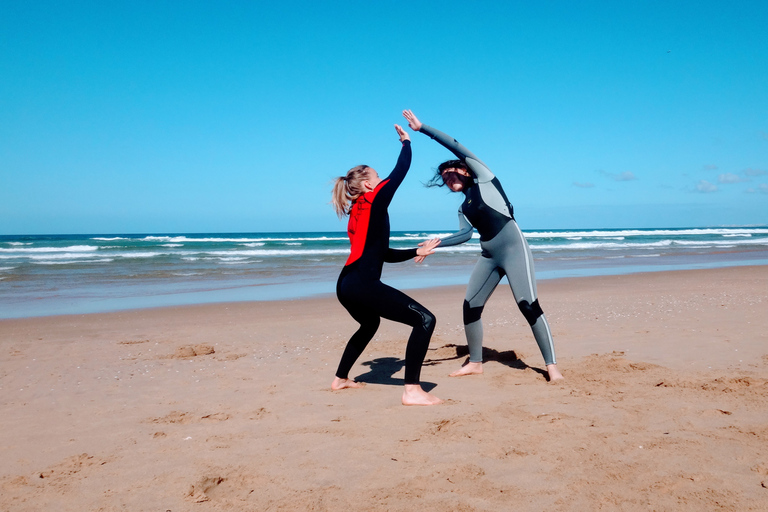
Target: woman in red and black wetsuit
column 365, row 197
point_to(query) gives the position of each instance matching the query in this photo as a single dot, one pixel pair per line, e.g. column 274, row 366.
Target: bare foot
column 554, row 373
column 414, row 395
column 338, row 384
column 469, row 369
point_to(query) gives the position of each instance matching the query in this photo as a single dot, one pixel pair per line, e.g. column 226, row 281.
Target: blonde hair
column 346, row 189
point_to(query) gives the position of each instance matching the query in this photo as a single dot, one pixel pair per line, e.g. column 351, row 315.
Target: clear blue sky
column 169, row 116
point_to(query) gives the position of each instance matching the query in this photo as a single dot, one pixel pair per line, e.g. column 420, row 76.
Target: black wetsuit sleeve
column 397, row 175
column 462, row 235
column 398, row 255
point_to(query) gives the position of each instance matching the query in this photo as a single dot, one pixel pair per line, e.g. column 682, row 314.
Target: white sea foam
column 63, row 256
column 278, row 252
column 647, row 233
column 71, row 248
column 724, row 243
column 585, row 246
column 139, row 254
column 73, row 261
column 700, row 244
column 184, row 239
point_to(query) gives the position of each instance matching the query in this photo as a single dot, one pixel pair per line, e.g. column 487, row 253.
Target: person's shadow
column 382, row 370
column 507, row 358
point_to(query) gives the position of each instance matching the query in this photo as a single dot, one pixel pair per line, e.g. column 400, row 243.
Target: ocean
column 78, row 274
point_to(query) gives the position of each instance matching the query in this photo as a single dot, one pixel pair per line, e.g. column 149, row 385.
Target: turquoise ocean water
column 77, row 274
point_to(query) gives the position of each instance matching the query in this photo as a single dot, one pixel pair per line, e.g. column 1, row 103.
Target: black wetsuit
column 360, row 289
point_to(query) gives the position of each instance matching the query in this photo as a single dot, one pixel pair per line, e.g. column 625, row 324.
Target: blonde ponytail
column 346, row 189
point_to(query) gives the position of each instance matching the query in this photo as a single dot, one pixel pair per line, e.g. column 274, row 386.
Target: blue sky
column 169, row 116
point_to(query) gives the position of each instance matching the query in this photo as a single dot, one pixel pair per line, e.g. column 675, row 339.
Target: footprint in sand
column 258, row 414
column 219, row 416
column 188, row 351
column 70, row 466
column 199, row 492
column 176, row 417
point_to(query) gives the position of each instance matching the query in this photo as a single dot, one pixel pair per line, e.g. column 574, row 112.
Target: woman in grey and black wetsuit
column 504, row 248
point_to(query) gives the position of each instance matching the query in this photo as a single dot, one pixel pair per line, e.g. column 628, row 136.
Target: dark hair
column 437, row 179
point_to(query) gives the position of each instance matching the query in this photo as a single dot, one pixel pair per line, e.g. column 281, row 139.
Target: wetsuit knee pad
column 531, row 312
column 472, row 314
column 428, row 320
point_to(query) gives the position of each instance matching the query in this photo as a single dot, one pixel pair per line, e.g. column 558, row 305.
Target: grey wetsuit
column 504, row 252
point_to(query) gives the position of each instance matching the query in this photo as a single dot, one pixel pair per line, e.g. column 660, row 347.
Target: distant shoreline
column 42, row 276
column 219, row 297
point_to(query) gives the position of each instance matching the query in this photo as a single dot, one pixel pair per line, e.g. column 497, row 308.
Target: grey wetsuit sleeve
column 462, row 235
column 482, row 173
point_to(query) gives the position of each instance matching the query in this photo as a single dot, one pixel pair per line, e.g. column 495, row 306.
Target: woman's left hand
column 403, row 135
column 425, row 249
column 413, row 121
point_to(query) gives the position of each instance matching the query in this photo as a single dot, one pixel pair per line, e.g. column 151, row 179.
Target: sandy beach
column 229, row 407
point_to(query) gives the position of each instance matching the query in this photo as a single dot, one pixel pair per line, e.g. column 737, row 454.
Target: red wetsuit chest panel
column 359, row 220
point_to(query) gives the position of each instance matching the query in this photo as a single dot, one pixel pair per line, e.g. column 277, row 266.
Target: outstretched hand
column 402, row 133
column 426, row 248
column 413, row 121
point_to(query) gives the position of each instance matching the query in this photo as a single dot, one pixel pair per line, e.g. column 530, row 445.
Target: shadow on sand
column 507, row 358
column 382, row 370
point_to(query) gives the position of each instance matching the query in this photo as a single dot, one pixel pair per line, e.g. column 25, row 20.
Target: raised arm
column 481, row 171
column 396, row 177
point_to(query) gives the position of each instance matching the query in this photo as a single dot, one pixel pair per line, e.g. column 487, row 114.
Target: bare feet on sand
column 554, row 373
column 414, row 395
column 345, row 383
column 468, row 369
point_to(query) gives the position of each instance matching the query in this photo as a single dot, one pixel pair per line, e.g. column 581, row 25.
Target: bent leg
column 369, row 324
column 399, row 307
column 351, row 292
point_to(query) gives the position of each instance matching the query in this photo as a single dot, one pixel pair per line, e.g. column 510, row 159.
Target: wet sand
column 229, row 407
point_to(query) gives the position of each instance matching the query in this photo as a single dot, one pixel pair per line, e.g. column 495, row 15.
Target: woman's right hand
column 426, row 248
column 413, row 121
